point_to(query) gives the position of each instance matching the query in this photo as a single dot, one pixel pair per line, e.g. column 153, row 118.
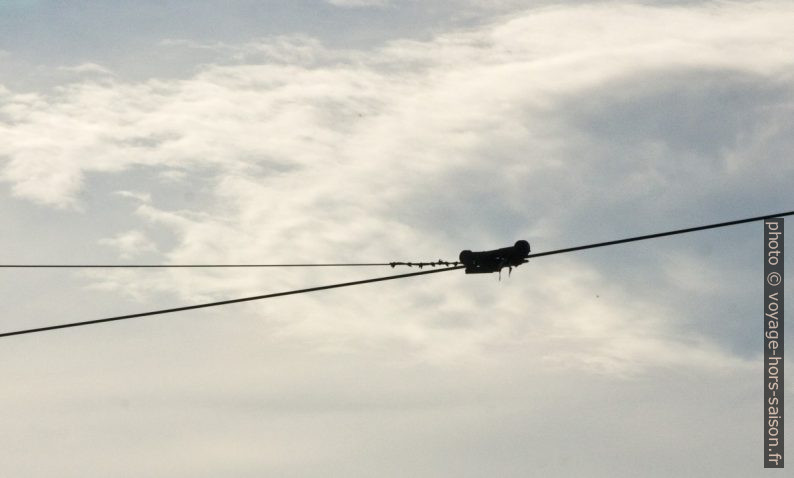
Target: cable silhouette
column 661, row 234
column 168, row 266
column 381, row 279
column 224, row 302
column 197, row 266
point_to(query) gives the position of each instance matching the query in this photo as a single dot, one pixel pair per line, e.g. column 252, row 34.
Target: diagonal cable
column 223, row 302
column 660, row 234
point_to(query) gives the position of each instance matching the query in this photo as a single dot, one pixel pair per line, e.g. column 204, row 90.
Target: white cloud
column 87, row 68
column 130, row 244
column 466, row 87
column 322, row 155
column 138, row 196
column 358, row 3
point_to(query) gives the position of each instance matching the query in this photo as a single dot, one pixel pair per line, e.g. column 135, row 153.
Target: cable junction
column 367, row 281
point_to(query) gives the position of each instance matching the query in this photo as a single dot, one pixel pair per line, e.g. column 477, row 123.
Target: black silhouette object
column 494, row 261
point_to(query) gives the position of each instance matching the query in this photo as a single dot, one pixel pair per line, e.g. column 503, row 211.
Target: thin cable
column 164, row 266
column 659, row 234
column 391, row 264
column 224, row 302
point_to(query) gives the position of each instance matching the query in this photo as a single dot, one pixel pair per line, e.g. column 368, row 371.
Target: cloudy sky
column 251, row 131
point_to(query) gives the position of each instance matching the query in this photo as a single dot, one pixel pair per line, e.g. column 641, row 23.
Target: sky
column 243, row 131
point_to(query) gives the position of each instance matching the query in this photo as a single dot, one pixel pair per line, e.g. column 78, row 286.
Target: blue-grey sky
column 379, row 130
